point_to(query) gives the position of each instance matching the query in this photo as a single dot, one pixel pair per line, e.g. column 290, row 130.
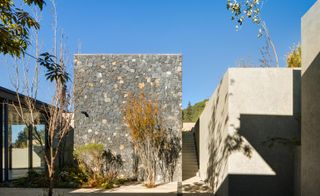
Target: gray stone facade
column 101, row 85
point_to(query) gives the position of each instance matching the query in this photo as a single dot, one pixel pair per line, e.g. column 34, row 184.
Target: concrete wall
column 195, row 130
column 20, row 158
column 310, row 138
column 102, row 84
column 187, row 126
column 213, row 125
column 247, row 132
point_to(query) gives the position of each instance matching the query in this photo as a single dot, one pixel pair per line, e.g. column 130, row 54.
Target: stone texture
column 102, row 83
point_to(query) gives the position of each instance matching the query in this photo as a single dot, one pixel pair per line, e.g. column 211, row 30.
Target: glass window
column 19, row 146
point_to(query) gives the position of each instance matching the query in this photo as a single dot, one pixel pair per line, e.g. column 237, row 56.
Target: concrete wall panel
column 248, row 131
column 310, row 138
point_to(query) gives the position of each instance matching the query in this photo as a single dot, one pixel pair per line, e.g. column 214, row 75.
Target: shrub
column 71, row 177
column 68, row 177
column 90, row 160
column 33, row 180
column 149, row 135
column 99, row 165
column 294, row 57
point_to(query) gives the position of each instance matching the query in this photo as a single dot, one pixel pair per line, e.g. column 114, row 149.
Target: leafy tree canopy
column 15, row 24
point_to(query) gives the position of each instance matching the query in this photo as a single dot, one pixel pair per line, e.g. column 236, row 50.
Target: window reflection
column 18, row 137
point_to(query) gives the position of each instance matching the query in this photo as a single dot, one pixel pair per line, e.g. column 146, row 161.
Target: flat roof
column 11, row 96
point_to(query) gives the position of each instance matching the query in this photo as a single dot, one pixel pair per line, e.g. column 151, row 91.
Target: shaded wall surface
column 310, row 138
column 248, row 132
column 102, row 84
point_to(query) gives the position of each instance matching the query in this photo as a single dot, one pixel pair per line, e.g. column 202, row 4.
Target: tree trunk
column 50, row 190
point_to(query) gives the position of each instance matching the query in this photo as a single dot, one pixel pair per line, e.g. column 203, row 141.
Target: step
column 190, row 161
column 191, row 170
column 189, row 156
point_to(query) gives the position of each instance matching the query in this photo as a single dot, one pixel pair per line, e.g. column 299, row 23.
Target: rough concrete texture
column 247, row 132
column 310, row 122
column 102, row 84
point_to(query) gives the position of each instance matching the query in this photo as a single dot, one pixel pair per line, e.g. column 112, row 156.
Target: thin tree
column 189, row 113
column 56, row 116
column 251, row 9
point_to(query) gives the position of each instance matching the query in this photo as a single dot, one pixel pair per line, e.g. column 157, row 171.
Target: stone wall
column 102, row 84
column 248, row 131
column 310, row 122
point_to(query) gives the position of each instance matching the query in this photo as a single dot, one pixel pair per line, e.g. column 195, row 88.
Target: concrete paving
column 195, row 185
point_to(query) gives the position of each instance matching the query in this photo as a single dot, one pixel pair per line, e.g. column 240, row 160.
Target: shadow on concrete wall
column 310, row 151
column 258, row 130
column 221, row 145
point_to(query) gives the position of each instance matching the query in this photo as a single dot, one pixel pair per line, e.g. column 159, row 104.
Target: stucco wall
column 264, row 109
column 310, row 151
column 102, row 84
column 259, row 105
column 213, row 125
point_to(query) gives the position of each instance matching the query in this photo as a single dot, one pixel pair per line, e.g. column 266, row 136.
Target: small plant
column 100, row 166
column 113, row 164
column 33, row 180
column 294, row 57
column 71, row 177
column 91, row 162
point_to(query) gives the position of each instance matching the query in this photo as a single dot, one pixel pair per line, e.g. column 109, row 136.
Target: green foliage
column 115, row 183
column 103, row 171
column 187, row 114
column 251, row 9
column 99, row 165
column 246, row 9
column 15, row 25
column 195, row 110
column 54, row 71
column 89, row 148
column 32, row 180
column 294, row 57
column 90, row 161
column 71, row 177
column 22, row 139
column 68, row 177
column 107, row 185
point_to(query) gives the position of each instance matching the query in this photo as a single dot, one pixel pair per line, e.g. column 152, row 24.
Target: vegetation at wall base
column 156, row 145
column 69, row 177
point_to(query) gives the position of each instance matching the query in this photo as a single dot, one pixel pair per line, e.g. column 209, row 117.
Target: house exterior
column 19, row 151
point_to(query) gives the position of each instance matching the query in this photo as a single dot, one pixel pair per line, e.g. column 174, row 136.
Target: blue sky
column 201, row 30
